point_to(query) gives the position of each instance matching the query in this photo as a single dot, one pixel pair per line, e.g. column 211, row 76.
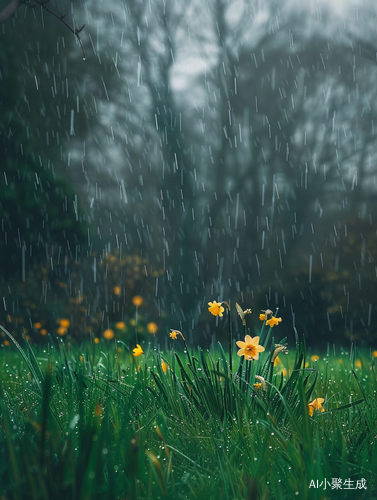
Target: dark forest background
column 191, row 151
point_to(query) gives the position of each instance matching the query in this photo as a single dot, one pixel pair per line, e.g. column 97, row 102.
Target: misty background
column 189, row 152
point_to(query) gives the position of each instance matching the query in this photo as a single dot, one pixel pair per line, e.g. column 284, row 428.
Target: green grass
column 92, row 421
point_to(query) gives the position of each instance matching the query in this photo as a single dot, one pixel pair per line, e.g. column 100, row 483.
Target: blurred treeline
column 227, row 149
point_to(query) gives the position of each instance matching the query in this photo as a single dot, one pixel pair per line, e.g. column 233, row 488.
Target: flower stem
column 247, row 374
column 230, row 342
column 187, row 350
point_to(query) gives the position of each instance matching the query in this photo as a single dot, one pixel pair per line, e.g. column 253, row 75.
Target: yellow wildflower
column 216, row 308
column 96, row 340
column 108, row 334
column 137, row 300
column 262, row 317
column 316, row 405
column 120, row 325
column 250, row 348
column 257, row 385
column 358, row 363
column 152, row 327
column 164, row 366
column 37, row 325
column 117, row 290
column 43, row 331
column 174, row 334
column 273, row 321
column 374, row 354
column 138, row 351
column 315, row 357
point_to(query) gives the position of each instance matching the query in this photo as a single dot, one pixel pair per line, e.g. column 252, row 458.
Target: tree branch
column 13, row 5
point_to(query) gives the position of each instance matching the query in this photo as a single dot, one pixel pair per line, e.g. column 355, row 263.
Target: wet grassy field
column 106, row 421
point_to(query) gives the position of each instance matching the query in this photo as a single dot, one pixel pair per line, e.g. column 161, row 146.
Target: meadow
column 262, row 419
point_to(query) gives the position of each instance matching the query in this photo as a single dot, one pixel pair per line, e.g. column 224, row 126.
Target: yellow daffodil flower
column 174, row 335
column 216, row 308
column 273, row 321
column 316, row 405
column 250, row 348
column 138, row 351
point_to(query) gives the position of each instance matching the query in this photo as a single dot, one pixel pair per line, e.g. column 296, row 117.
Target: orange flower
column 62, row 331
column 315, row 357
column 164, row 366
column 152, row 327
column 108, row 334
column 216, row 308
column 37, row 325
column 43, row 331
column 65, row 323
column 250, row 348
column 120, row 325
column 137, row 300
column 138, row 351
column 117, row 290
column 316, row 405
column 96, row 340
